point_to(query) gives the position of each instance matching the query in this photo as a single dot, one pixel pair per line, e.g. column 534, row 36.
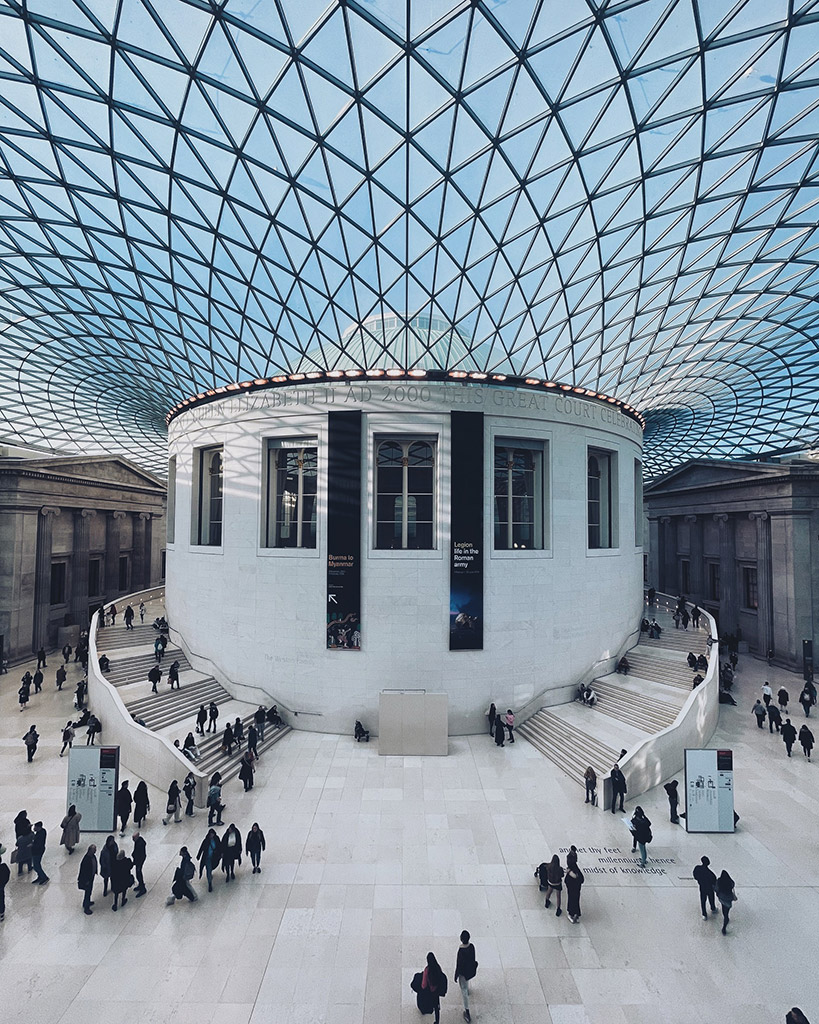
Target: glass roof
column 620, row 196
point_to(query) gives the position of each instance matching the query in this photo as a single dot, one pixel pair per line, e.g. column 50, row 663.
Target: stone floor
column 371, row 862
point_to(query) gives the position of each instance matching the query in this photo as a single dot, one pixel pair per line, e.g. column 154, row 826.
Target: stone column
column 149, row 549
column 653, row 540
column 138, row 549
column 727, row 573
column 764, row 612
column 78, row 608
column 668, row 556
column 42, row 576
column 112, row 553
column 695, row 533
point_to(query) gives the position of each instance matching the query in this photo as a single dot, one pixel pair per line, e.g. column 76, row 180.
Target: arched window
column 405, row 494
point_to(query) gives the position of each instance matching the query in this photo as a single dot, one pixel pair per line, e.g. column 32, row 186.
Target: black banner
column 344, row 531
column 466, row 531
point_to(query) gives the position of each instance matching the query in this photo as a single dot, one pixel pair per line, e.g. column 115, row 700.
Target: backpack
column 189, row 870
column 213, row 796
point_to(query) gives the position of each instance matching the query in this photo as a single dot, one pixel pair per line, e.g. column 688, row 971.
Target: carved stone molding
column 49, row 510
column 758, row 515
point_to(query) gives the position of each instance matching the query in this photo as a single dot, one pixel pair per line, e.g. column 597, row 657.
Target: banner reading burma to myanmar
column 466, row 531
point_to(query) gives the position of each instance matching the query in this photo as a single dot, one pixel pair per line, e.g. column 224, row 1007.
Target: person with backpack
column 214, row 801
column 466, row 967
column 181, row 887
column 554, row 876
column 430, row 987
column 641, row 832
column 209, row 856
column 31, row 739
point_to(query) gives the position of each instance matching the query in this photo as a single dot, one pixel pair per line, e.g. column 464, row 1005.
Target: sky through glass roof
column 619, row 196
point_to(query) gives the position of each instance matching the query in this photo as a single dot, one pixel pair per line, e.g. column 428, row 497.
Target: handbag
column 13, row 857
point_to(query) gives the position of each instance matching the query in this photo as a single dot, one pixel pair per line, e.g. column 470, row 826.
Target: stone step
column 634, row 708
column 660, row 670
column 214, row 759
column 568, row 747
column 112, row 637
column 124, row 670
column 160, row 710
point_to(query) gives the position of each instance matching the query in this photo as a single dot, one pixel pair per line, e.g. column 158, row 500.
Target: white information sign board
column 709, row 790
column 93, row 779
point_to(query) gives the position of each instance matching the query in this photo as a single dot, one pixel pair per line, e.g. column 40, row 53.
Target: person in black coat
column 38, row 845
column 774, row 718
column 673, row 800
column 5, row 875
column 788, row 735
column 806, row 740
column 142, row 804
column 86, row 876
column 189, row 789
column 213, row 716
column 706, row 880
column 209, row 855
column 466, row 967
column 618, row 788
column 201, row 718
column 254, row 844
column 21, row 824
column 124, row 803
column 138, row 860
column 231, row 850
column 227, row 740
column 108, row 854
column 252, row 740
column 499, row 731
column 430, row 985
column 246, row 770
column 121, row 878
column 641, row 832
column 574, row 880
column 181, row 887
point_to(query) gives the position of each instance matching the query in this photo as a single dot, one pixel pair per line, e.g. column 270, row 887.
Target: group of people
column 500, row 725
column 765, row 708
column 108, row 616
column 551, row 878
column 586, row 694
column 430, row 985
column 711, row 887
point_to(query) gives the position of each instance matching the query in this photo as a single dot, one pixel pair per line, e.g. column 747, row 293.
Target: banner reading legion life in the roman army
column 466, row 531
column 344, row 531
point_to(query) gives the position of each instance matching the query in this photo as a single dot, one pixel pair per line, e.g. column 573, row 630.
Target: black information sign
column 344, row 531
column 466, row 529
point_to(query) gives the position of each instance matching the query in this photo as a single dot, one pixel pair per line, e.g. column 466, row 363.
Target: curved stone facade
column 552, row 606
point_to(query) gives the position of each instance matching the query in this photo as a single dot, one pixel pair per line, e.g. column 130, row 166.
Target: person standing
column 227, row 740
column 510, row 724
column 68, row 736
column 60, row 677
column 759, row 711
column 31, row 739
column 174, row 805
column 189, row 789
column 24, row 693
column 574, row 883
column 21, row 824
column 213, row 716
column 201, row 718
column 66, row 653
column 246, row 770
column 554, row 876
column 641, row 831
column 673, row 800
column 93, row 728
column 209, row 856
column 590, row 779
column 173, row 675
column 695, row 617
column 128, row 617
column 806, row 740
column 86, row 876
column 491, row 714
column 618, row 788
column 41, row 658
column 783, row 697
column 108, row 854
column 231, row 851
column 252, row 741
column 652, row 593
column 71, row 829
column 5, row 875
column 121, row 878
column 142, row 804
column 141, row 611
column 37, row 679
column 124, row 803
column 138, row 859
column 466, row 967
column 24, row 843
column 154, row 675
column 774, row 718
column 215, row 805
column 499, row 731
column 260, row 719
column 254, row 844
column 788, row 735
column 706, row 881
column 726, row 896
column 38, row 845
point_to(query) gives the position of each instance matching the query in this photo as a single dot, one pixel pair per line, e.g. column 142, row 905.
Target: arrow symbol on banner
column 332, row 598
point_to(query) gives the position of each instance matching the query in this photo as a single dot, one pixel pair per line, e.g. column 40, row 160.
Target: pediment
column 97, row 468
column 709, row 472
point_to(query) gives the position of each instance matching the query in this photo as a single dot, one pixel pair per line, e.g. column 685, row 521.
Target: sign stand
column 93, row 781
column 709, row 790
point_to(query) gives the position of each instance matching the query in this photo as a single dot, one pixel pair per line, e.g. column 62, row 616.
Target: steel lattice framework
column 621, row 196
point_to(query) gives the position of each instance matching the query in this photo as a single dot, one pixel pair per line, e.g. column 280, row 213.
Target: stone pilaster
column 79, row 566
column 112, row 546
column 727, row 573
column 668, row 556
column 695, row 534
column 764, row 612
column 42, row 576
column 138, row 549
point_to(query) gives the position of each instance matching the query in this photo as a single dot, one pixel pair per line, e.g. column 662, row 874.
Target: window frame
column 748, row 586
column 609, row 504
column 200, row 538
column 406, row 440
column 170, row 525
column 639, row 516
column 714, row 574
column 269, row 492
column 56, row 564
column 540, row 446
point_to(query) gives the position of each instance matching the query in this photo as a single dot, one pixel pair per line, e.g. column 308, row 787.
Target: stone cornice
column 64, row 478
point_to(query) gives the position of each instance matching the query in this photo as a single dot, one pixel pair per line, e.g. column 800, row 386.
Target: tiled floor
column 371, row 862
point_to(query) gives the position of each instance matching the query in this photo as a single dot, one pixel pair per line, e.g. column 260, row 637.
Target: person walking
column 788, row 735
column 112, row 611
column 466, row 967
column 574, row 882
column 774, row 718
column 142, row 804
column 108, row 854
column 38, row 845
column 260, row 720
column 641, row 832
column 201, row 718
column 673, row 800
column 246, row 770
column 806, row 700
column 121, row 878
column 252, row 741
column 767, row 693
column 618, row 788
column 491, row 715
column 141, row 611
column 227, row 740
column 695, row 617
column 214, row 801
column 181, row 887
column 590, row 779
column 41, row 658
column 71, row 829
column 189, row 789
column 509, row 718
column 124, row 802
column 173, row 675
column 37, row 680
column 554, row 876
column 806, row 740
column 706, row 881
column 24, row 693
column 759, row 711
column 31, row 739
column 5, row 875
column 138, row 858
column 128, row 617
column 783, row 697
column 66, row 653
column 60, row 677
column 726, row 896
column 499, row 731
column 686, row 618
column 154, row 675
column 91, row 731
column 86, row 876
column 68, row 737
column 254, row 844
column 430, row 986
column 23, row 844
column 231, row 850
column 209, row 856
column 174, row 804
column 213, row 716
